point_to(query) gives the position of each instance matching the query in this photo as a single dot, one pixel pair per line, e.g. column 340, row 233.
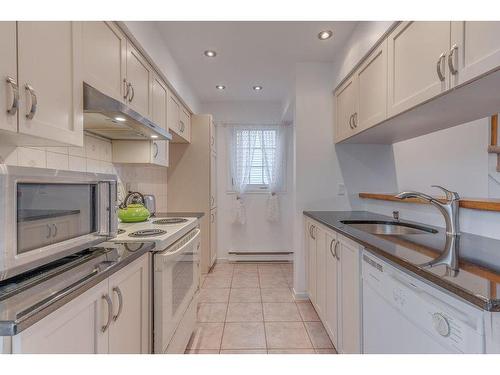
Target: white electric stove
column 176, row 276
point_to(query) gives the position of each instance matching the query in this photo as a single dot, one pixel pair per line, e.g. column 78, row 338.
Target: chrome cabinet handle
column 15, row 96
column 32, row 93
column 110, row 312
column 350, row 122
column 181, row 126
column 126, row 88
column 355, row 119
column 155, row 150
column 49, row 234
column 213, row 141
column 212, row 200
column 331, row 250
column 132, row 93
column 120, row 302
column 312, row 231
column 55, row 230
column 212, row 218
column 335, row 250
column 451, row 58
column 439, row 65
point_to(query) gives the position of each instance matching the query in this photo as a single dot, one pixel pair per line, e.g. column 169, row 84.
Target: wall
column 95, row 156
column 257, row 234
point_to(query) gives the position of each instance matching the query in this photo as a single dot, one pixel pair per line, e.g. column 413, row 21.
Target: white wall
column 257, row 234
column 150, row 38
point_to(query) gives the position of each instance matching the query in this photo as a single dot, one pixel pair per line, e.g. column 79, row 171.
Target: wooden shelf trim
column 483, row 204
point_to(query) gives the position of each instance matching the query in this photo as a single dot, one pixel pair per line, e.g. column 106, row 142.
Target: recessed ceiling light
column 257, row 88
column 325, row 34
column 120, row 119
column 220, row 87
column 210, row 53
column 154, row 136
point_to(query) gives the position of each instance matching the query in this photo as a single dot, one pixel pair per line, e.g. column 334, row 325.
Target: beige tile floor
column 250, row 309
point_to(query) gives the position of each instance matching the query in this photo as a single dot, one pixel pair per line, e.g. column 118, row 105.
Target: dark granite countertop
column 28, row 298
column 479, row 274
column 197, row 215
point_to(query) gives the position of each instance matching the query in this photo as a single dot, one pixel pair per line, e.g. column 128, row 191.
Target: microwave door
column 175, row 284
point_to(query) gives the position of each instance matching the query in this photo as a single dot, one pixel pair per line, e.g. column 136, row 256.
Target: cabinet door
column 213, row 236
column 311, row 260
column 173, row 115
column 75, row 328
column 128, row 288
column 371, row 80
column 332, row 289
column 49, row 62
column 213, row 180
column 350, row 315
column 417, row 51
column 8, row 74
column 139, row 81
column 213, row 145
column 345, row 108
column 320, row 272
column 477, row 49
column 185, row 124
column 159, row 117
column 104, row 58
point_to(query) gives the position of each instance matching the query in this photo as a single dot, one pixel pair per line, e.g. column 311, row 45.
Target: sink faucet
column 448, row 208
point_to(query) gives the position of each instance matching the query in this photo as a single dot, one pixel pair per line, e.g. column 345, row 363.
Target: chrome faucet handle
column 450, row 195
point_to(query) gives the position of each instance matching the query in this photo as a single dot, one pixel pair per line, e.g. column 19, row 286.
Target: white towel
column 239, row 211
column 273, row 208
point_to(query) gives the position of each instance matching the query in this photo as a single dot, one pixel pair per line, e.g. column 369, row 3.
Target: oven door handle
column 166, row 255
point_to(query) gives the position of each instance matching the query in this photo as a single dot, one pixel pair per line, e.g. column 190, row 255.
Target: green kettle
column 135, row 211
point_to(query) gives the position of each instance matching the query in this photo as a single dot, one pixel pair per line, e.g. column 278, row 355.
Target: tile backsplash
column 95, row 156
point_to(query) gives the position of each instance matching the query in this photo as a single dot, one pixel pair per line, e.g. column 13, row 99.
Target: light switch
column 340, row 189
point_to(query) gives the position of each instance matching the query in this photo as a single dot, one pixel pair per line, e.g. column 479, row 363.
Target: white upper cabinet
column 139, row 76
column 346, row 106
column 104, row 58
column 417, row 63
column 178, row 119
column 371, row 81
column 50, row 81
column 475, row 49
column 159, row 102
column 75, row 328
column 8, row 73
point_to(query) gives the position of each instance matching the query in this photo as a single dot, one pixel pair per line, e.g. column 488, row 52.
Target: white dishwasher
column 402, row 314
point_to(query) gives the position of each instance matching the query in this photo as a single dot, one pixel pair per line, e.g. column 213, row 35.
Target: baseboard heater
column 260, row 256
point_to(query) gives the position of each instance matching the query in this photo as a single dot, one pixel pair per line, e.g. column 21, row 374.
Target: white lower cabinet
column 86, row 325
column 334, row 285
column 74, row 328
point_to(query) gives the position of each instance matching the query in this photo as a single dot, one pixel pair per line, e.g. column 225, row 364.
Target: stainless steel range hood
column 112, row 119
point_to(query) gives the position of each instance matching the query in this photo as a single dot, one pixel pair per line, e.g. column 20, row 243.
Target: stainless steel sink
column 388, row 227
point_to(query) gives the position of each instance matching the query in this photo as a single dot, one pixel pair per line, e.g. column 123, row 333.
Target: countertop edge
column 487, row 305
column 197, row 215
column 12, row 328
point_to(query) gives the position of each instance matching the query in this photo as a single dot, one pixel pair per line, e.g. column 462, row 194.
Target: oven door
column 176, row 281
column 48, row 214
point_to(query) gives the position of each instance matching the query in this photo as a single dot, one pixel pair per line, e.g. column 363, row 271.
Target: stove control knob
column 441, row 324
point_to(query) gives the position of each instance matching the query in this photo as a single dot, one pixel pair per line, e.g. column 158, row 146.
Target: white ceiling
column 248, row 54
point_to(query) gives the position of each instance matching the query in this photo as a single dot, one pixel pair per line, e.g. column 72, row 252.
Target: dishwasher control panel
column 447, row 320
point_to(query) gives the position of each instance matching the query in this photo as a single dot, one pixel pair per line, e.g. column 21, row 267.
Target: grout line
column 227, row 308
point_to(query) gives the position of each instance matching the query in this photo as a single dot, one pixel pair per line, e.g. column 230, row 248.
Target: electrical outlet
column 340, row 189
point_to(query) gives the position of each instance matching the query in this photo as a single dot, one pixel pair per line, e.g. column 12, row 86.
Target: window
column 256, row 162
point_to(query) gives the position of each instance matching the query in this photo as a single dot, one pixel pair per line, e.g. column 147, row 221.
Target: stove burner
column 120, row 231
column 173, row 220
column 147, row 233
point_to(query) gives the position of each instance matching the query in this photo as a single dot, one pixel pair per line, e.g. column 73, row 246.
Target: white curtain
column 243, row 140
